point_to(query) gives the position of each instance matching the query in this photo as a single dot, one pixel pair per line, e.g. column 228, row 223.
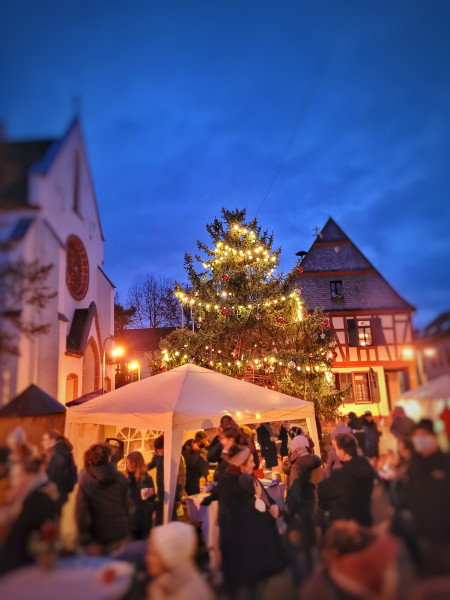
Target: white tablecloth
column 72, row 578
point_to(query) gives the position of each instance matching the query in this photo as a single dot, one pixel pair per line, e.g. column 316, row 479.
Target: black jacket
column 372, row 438
column 250, row 544
column 141, row 519
column 300, row 498
column 61, row 469
column 37, row 508
column 347, row 492
column 103, row 505
column 196, row 466
column 214, row 450
column 283, row 436
column 429, row 496
column 268, row 448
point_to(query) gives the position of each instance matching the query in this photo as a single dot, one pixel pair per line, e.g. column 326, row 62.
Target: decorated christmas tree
column 251, row 322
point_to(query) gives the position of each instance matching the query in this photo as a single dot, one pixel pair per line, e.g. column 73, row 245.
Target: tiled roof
column 440, row 326
column 334, row 257
column 16, row 158
column 143, row 340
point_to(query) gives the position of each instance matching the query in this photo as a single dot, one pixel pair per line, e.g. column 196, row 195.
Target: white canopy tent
column 185, row 399
column 427, row 400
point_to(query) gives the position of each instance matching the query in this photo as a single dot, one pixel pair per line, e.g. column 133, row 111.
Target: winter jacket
column 214, row 450
column 372, row 438
column 268, row 448
column 429, row 496
column 359, row 430
column 347, row 492
column 103, row 505
column 61, row 470
column 141, row 519
column 250, row 545
column 402, row 427
column 300, row 497
column 196, row 466
column 38, row 507
column 283, row 436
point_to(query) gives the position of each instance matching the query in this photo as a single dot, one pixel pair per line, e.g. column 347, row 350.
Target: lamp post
column 115, row 352
column 135, row 366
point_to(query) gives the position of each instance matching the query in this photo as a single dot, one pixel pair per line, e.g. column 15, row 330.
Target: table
column 73, row 578
column 276, row 492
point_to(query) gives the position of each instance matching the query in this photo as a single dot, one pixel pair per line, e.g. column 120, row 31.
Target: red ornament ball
column 324, row 324
column 224, row 312
column 250, row 368
column 334, row 354
column 225, row 277
column 280, row 320
column 162, row 368
column 300, row 269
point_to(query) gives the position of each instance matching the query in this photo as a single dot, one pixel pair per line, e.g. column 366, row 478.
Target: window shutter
column 346, row 381
column 374, row 385
column 377, row 332
column 352, row 333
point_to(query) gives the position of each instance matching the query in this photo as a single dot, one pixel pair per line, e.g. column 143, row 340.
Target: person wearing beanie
column 170, row 563
column 429, row 499
column 356, row 565
column 301, row 499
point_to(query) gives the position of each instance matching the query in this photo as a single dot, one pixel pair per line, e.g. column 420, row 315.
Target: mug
column 146, row 493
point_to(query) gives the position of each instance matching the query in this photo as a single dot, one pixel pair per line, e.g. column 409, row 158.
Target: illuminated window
column 361, row 388
column 364, row 333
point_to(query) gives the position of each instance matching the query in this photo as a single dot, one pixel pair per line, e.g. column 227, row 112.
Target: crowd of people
column 322, row 542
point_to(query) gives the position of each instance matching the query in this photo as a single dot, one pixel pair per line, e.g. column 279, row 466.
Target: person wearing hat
column 301, row 499
column 170, row 563
column 429, row 495
column 372, row 435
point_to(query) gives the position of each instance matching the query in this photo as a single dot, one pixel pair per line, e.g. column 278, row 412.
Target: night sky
column 190, row 106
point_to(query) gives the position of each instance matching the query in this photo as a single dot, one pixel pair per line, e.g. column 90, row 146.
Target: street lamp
column 115, row 352
column 135, row 366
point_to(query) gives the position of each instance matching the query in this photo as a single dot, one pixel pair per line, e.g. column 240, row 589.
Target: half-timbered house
column 375, row 358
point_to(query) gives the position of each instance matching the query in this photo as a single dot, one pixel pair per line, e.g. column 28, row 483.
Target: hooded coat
column 347, row 492
column 61, row 470
column 103, row 505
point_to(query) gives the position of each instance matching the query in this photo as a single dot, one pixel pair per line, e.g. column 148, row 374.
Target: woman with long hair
column 142, row 490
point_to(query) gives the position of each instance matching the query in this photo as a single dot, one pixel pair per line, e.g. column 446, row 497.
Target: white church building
column 49, row 214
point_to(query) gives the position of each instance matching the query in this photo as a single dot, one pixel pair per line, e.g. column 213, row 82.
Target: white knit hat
column 175, row 542
column 299, row 443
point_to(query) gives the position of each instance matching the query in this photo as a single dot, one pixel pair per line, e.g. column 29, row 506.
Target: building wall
column 43, row 360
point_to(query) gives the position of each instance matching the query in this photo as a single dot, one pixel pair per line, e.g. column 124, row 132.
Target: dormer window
column 336, row 289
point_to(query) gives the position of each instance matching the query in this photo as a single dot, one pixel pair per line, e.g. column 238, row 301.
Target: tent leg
column 312, row 429
column 173, row 441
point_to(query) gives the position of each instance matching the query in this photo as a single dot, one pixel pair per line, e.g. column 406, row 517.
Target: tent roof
column 436, row 389
column 32, row 402
column 186, row 398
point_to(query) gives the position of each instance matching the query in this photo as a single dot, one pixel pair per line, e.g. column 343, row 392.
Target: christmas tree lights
column 250, row 321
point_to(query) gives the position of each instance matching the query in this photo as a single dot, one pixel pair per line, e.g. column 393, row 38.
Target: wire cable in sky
column 305, row 104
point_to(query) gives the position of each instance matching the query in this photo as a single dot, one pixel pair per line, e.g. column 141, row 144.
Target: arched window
column 71, row 387
column 91, row 368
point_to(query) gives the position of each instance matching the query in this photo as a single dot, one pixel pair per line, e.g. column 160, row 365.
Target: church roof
column 32, row 402
column 16, row 159
column 333, row 257
column 79, row 329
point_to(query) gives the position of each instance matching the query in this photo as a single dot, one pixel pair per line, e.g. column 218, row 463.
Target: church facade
column 49, row 218
column 375, row 358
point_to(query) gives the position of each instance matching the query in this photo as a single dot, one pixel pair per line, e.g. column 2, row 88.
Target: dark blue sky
column 189, row 106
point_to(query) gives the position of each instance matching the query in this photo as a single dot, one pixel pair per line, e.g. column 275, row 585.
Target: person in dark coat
column 250, row 545
column 197, row 465
column 429, row 499
column 266, row 439
column 401, row 425
column 36, row 499
column 215, row 448
column 358, row 428
column 103, row 503
column 372, row 435
column 347, row 492
column 284, row 437
column 61, row 468
column 142, row 492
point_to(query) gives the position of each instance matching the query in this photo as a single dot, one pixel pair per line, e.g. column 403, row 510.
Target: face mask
column 423, row 443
